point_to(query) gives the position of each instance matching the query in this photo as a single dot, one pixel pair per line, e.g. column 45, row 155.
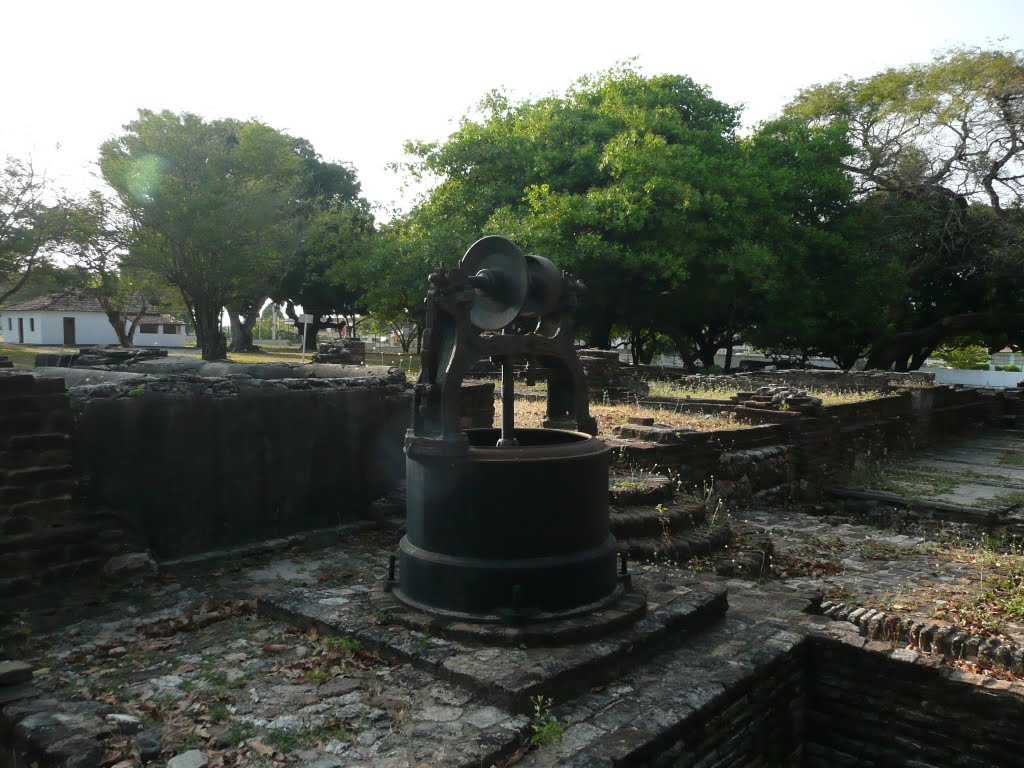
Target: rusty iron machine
column 504, row 525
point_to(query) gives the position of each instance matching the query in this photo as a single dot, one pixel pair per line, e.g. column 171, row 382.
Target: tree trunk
column 920, row 357
column 242, row 324
column 684, row 351
column 600, row 336
column 899, row 348
column 707, row 349
column 190, row 308
column 215, row 345
column 635, row 344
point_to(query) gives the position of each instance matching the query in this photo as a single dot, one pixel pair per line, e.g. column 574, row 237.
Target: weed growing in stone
column 545, row 726
column 1012, row 459
column 283, row 741
column 318, row 676
column 239, row 731
column 343, row 643
column 880, row 550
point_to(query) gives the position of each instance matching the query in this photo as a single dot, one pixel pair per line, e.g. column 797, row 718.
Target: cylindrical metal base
column 506, row 534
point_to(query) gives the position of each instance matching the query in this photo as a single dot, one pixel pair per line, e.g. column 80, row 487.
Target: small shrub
column 545, row 726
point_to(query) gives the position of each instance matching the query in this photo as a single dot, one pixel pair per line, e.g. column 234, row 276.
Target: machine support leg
column 508, row 412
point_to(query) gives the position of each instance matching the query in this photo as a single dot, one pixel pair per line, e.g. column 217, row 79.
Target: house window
column 175, row 329
column 148, row 328
column 10, row 324
column 31, row 323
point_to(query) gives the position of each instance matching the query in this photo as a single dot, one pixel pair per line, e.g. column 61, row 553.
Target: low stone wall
column 722, row 458
column 835, row 381
column 194, row 463
column 802, row 450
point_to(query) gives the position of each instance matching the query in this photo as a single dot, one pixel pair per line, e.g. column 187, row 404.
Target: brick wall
column 43, row 540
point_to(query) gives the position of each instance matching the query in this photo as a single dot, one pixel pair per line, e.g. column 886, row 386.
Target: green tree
column 335, row 221
column 962, row 353
column 628, row 181
column 96, row 244
column 324, row 278
column 29, row 224
column 938, row 163
column 213, row 204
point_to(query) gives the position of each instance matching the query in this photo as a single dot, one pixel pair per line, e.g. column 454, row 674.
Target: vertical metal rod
column 508, row 413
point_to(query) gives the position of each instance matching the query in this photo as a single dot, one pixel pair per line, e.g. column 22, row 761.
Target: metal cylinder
column 500, row 533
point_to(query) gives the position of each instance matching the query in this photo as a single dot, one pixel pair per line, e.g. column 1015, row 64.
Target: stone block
column 15, row 672
column 130, row 566
column 191, row 759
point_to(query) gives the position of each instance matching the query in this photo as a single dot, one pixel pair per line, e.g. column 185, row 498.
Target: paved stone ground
column 189, row 660
column 983, row 475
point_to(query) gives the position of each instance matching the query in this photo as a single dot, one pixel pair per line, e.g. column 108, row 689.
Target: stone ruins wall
column 43, row 542
column 196, row 463
column 828, row 704
column 795, row 454
column 864, row 708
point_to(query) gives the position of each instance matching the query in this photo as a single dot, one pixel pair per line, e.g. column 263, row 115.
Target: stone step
column 632, row 489
column 651, row 522
column 679, row 605
column 677, row 548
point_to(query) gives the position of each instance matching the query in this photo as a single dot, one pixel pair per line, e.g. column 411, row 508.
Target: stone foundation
column 203, row 463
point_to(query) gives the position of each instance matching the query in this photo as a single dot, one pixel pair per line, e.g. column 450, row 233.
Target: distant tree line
column 880, row 218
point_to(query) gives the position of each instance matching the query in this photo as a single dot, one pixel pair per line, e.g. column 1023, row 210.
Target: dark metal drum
column 509, row 534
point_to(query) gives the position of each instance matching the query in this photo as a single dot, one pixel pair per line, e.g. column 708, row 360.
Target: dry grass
column 530, row 412
column 24, row 355
column 828, row 397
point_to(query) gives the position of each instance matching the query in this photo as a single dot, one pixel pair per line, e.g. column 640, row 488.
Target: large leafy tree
column 820, row 292
column 939, row 164
column 213, row 204
column 626, row 180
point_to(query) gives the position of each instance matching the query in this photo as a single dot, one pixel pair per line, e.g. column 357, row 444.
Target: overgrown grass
column 716, row 392
column 529, row 413
column 903, row 481
column 999, row 595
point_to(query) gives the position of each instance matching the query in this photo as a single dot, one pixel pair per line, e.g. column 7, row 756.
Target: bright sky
column 360, row 78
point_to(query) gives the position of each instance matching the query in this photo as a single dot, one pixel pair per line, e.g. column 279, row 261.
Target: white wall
column 976, row 378
column 90, row 328
column 162, row 339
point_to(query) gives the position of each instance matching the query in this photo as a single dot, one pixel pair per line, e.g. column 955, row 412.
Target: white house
column 75, row 319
